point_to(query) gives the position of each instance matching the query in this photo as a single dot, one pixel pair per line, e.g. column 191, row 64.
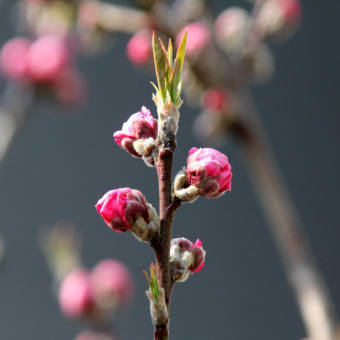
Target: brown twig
column 167, row 207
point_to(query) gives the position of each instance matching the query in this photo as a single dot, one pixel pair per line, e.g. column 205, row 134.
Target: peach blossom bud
column 112, row 284
column 279, row 17
column 140, row 126
column 47, row 58
column 13, row 58
column 209, row 171
column 186, row 258
column 121, row 207
column 139, row 49
column 199, row 38
column 75, row 294
column 126, row 209
column 231, row 28
column 91, row 335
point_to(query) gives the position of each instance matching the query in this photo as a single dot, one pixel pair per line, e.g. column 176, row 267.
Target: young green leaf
column 161, row 62
column 153, row 281
column 170, row 53
column 178, row 67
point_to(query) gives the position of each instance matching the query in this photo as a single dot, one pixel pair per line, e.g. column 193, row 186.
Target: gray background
column 62, row 163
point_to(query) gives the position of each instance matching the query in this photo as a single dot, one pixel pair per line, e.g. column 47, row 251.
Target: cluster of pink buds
column 208, row 174
column 138, row 135
column 98, row 293
column 185, row 258
column 45, row 61
column 126, row 210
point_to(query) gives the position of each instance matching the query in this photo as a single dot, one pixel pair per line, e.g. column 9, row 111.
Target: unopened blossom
column 139, row 49
column 75, row 294
column 186, row 258
column 208, row 174
column 231, row 28
column 138, row 133
column 199, row 38
column 125, row 210
column 112, row 284
column 279, row 17
column 13, row 58
column 48, row 56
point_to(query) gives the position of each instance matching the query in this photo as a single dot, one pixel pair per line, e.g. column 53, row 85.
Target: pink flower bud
column 120, row 208
column 139, row 48
column 210, row 171
column 90, row 335
column 112, row 284
column 140, row 125
column 198, row 39
column 215, row 100
column 186, row 258
column 47, row 58
column 75, row 294
column 13, row 58
column 231, row 28
column 278, row 17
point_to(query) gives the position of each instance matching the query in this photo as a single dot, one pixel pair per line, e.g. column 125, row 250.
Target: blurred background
column 62, row 162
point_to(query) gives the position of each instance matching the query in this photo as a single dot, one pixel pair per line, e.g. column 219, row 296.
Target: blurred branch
column 114, row 18
column 17, row 102
column 308, row 285
column 61, row 248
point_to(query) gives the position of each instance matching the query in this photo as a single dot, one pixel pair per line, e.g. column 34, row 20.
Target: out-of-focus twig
column 15, row 107
column 114, row 18
column 61, row 248
column 303, row 275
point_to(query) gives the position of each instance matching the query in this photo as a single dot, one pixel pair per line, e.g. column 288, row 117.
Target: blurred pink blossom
column 75, row 294
column 112, row 284
column 198, row 39
column 139, row 49
column 47, row 58
column 13, row 58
